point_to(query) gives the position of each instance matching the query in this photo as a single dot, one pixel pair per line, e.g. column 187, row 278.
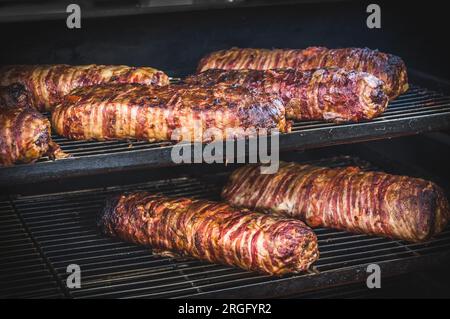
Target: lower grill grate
column 23, row 272
column 62, row 226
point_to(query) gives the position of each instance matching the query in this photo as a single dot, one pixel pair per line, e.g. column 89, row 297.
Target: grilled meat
column 164, row 113
column 322, row 94
column 346, row 198
column 387, row 67
column 14, row 95
column 25, row 136
column 49, row 83
column 211, row 231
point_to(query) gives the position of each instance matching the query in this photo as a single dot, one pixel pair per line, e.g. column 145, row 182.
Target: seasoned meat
column 387, row 67
column 322, row 94
column 49, row 83
column 211, row 231
column 25, row 136
column 344, row 198
column 154, row 113
column 14, row 95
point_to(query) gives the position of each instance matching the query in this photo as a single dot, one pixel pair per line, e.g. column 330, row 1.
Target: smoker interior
column 42, row 231
column 418, row 110
column 43, row 234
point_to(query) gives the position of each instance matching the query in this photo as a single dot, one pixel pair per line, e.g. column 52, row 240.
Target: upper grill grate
column 418, row 110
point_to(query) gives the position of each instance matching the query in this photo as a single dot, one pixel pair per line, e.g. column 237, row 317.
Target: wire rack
column 418, row 110
column 415, row 104
column 42, row 235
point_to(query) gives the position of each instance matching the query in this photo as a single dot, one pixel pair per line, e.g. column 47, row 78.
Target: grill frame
column 61, row 228
column 417, row 111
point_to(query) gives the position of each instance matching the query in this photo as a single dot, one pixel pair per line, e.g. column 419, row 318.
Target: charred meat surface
column 387, row 67
column 347, row 198
column 49, row 83
column 14, row 95
column 211, row 231
column 321, row 94
column 25, row 136
column 174, row 112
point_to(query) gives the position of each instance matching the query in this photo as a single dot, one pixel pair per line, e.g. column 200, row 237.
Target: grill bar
column 419, row 110
column 63, row 230
column 23, row 271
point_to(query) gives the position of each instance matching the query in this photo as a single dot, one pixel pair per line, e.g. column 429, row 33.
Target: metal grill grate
column 419, row 110
column 416, row 103
column 23, row 272
column 63, row 226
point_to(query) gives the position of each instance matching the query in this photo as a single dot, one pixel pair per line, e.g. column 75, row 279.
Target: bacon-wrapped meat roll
column 154, row 113
column 25, row 136
column 211, row 231
column 49, row 83
column 322, row 94
column 387, row 67
column 346, row 198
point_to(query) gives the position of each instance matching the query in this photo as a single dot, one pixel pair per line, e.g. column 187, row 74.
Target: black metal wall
column 175, row 42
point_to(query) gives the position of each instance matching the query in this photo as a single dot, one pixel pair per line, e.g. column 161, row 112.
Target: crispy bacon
column 49, row 83
column 344, row 198
column 211, row 231
column 322, row 94
column 387, row 67
column 154, row 113
column 25, row 136
column 14, row 95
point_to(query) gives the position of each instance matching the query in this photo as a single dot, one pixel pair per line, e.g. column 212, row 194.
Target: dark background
column 174, row 42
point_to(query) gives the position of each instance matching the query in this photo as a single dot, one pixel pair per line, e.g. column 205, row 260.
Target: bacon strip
column 25, row 136
column 387, row 67
column 14, row 95
column 322, row 94
column 154, row 113
column 346, row 198
column 49, row 83
column 211, row 231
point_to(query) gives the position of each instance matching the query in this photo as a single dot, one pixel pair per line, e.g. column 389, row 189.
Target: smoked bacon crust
column 125, row 111
column 387, row 67
column 211, row 231
column 25, row 136
column 321, row 94
column 346, row 198
column 14, row 95
column 49, row 83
